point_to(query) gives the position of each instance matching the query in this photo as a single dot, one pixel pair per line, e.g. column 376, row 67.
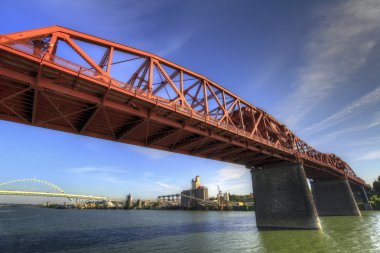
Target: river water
column 32, row 229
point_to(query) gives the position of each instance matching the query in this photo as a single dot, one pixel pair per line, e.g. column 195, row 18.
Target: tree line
column 374, row 198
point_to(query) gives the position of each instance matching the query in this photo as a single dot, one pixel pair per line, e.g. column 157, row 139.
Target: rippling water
column 31, row 229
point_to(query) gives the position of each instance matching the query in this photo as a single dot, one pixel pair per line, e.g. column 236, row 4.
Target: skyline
column 321, row 83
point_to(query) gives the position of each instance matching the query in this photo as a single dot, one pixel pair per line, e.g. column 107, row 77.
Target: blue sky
column 312, row 64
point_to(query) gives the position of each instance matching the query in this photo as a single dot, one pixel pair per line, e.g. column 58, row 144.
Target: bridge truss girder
column 159, row 104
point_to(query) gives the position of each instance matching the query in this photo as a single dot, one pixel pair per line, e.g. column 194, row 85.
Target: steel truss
column 167, row 106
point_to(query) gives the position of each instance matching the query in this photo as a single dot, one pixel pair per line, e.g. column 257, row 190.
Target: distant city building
column 128, row 202
column 197, row 191
column 108, row 204
column 145, row 203
column 201, row 193
column 139, row 203
column 196, row 183
column 226, row 196
column 186, row 202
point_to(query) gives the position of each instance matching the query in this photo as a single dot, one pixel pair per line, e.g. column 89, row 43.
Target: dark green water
column 28, row 229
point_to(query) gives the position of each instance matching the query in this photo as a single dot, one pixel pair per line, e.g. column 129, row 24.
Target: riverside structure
column 195, row 194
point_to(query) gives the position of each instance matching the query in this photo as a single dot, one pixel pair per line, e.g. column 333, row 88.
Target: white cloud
column 370, row 156
column 334, row 52
column 231, row 172
column 122, row 16
column 332, row 137
column 233, row 178
column 94, row 170
column 151, row 153
column 167, row 186
column 105, row 174
column 366, row 142
column 175, row 43
column 368, row 99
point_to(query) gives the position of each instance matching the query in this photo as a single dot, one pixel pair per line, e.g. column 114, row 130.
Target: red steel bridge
column 61, row 79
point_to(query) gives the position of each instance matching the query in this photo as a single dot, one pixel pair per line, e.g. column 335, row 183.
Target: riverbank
column 174, row 208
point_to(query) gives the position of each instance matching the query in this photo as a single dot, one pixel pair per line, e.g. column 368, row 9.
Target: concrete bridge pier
column 282, row 197
column 334, row 198
column 361, row 197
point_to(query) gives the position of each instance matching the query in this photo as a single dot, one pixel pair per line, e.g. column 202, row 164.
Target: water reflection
column 50, row 230
column 339, row 234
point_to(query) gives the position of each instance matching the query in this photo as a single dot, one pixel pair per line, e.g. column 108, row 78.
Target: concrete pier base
column 334, row 198
column 361, row 197
column 367, row 207
column 282, row 198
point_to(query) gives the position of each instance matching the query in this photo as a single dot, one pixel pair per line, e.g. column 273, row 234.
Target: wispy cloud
column 334, row 53
column 105, row 174
column 366, row 142
column 368, row 99
column 231, row 173
column 122, row 15
column 94, row 170
column 375, row 155
column 233, row 178
column 333, row 136
column 175, row 43
column 167, row 186
column 154, row 154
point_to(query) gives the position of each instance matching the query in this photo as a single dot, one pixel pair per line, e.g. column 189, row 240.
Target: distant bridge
column 61, row 193
column 51, row 194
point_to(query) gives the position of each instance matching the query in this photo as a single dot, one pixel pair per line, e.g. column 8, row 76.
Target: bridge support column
column 282, row 198
column 334, row 198
column 366, row 205
column 361, row 197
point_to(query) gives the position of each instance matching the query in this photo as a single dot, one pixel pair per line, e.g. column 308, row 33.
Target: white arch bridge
column 74, row 198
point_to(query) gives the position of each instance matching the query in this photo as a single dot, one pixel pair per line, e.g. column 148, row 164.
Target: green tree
column 376, row 185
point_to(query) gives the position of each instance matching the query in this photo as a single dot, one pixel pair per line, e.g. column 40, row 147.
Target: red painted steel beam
column 46, row 83
column 240, row 119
